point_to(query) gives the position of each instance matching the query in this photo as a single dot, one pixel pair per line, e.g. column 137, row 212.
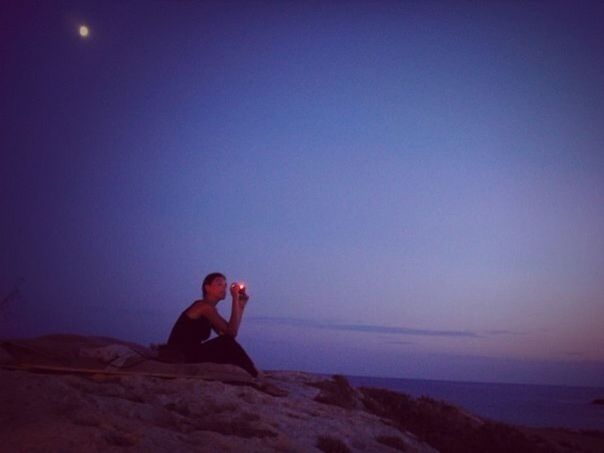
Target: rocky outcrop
column 64, row 412
column 72, row 394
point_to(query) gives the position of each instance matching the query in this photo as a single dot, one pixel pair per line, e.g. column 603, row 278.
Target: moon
column 84, row 31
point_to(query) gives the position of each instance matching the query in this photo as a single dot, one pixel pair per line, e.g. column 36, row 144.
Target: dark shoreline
column 566, row 407
column 450, row 428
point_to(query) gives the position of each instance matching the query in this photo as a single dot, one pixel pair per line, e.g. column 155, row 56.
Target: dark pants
column 222, row 349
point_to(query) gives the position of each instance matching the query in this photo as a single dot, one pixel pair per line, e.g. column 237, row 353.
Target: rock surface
column 106, row 413
column 72, row 394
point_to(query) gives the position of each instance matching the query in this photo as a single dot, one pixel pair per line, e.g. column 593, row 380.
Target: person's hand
column 243, row 299
column 235, row 291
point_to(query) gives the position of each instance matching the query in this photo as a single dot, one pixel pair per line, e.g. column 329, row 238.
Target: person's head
column 214, row 285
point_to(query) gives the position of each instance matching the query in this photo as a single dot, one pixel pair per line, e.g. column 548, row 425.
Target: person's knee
column 227, row 339
column 230, row 344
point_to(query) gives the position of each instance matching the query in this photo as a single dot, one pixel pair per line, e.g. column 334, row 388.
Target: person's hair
column 209, row 280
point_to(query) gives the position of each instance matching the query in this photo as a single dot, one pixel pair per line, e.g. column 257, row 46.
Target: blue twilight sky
column 410, row 189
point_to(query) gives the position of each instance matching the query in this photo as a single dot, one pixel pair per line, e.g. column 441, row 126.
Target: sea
column 516, row 404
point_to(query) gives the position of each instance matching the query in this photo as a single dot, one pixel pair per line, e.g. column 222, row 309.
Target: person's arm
column 237, row 306
column 219, row 324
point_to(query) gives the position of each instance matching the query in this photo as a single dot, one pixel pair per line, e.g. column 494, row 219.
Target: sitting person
column 194, row 325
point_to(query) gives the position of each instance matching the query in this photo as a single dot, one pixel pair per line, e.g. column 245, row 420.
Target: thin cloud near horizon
column 368, row 328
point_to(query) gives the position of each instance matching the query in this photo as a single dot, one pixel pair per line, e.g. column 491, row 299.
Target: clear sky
column 409, row 189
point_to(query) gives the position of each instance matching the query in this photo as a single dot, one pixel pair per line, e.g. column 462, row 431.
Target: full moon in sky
column 84, row 31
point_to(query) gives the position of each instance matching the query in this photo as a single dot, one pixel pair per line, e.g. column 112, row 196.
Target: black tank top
column 188, row 332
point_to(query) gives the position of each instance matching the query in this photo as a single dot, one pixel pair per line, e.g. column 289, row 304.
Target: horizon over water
column 531, row 405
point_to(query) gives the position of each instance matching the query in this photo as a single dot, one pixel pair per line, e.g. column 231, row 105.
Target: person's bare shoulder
column 199, row 308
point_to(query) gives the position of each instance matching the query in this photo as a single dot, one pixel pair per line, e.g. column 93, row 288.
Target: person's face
column 217, row 289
